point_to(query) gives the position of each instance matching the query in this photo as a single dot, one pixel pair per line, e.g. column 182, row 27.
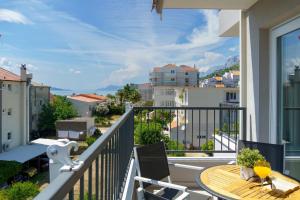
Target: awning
column 27, row 152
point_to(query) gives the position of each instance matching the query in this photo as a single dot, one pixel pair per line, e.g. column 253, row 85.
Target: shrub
column 101, row 110
column 9, row 169
column 90, row 140
column 172, row 145
column 20, row 191
column 248, row 157
column 148, row 134
column 209, row 146
column 97, row 133
column 116, row 109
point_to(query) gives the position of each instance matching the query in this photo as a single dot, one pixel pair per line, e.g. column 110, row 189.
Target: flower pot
column 246, row 173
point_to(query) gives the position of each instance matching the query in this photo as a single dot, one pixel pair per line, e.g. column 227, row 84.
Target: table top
column 224, row 181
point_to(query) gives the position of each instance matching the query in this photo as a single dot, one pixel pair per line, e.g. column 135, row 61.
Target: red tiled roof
column 8, row 76
column 188, row 68
column 89, row 98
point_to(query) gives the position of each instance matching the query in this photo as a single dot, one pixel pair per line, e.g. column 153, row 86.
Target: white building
column 165, row 79
column 269, row 51
column 201, row 97
column 146, row 91
column 14, row 106
column 172, row 75
column 85, row 103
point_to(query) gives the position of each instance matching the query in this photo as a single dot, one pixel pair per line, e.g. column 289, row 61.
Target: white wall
column 16, row 123
column 259, row 20
column 84, row 109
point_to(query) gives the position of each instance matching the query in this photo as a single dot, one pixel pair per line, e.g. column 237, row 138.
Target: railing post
column 244, row 125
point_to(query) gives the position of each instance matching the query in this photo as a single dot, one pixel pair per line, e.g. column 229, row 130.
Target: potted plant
column 246, row 159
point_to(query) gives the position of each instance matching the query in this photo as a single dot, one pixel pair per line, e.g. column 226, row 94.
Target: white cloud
column 207, row 34
column 232, row 49
column 13, row 17
column 210, row 59
column 74, row 71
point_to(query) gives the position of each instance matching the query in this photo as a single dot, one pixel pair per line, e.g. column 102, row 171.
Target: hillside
column 220, row 72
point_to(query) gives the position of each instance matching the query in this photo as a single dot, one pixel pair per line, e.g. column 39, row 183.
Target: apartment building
column 172, row 75
column 39, row 96
column 14, row 106
column 146, row 91
column 169, row 77
column 85, row 103
column 189, row 130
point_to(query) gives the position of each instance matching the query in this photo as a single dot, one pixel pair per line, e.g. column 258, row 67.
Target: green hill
column 220, row 72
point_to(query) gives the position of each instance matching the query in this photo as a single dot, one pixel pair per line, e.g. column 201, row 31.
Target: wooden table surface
column 224, row 181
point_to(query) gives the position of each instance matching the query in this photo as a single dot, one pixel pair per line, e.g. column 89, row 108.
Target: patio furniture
column 152, row 166
column 224, row 181
column 274, row 153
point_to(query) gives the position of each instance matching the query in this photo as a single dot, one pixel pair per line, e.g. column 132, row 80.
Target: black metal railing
column 192, row 129
column 105, row 165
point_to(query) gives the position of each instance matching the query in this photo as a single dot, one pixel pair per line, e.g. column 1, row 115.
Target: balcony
column 108, row 169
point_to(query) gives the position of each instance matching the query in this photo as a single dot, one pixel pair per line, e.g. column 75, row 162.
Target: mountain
column 231, row 61
column 234, row 60
column 110, row 88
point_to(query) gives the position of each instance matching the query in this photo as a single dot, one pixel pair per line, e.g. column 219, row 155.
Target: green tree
column 59, row 109
column 145, row 133
column 20, row 191
column 9, row 169
column 128, row 93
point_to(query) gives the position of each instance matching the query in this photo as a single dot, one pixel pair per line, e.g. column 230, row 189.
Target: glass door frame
column 275, row 33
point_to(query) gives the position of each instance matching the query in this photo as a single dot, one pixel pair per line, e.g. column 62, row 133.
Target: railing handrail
column 60, row 186
column 187, row 108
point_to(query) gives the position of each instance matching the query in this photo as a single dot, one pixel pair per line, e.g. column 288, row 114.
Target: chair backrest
column 152, row 161
column 274, row 153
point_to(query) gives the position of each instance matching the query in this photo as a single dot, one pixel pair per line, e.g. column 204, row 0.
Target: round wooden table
column 224, row 181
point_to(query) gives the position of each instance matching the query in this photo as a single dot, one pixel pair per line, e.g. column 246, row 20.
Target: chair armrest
column 161, row 183
column 187, row 166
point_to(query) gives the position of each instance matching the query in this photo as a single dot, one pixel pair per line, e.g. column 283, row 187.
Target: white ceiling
column 209, row 4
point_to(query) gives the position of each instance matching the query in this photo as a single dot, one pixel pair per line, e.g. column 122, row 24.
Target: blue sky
column 86, row 45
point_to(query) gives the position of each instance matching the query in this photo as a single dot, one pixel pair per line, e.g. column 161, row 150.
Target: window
column 9, row 87
column 9, row 136
column 41, row 102
column 186, row 80
column 172, row 71
column 172, row 79
column 186, row 73
column 9, row 111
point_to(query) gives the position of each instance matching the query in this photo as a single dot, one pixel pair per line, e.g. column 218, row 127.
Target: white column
column 243, row 66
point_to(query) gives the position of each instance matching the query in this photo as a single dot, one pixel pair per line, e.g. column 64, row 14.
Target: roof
column 27, row 152
column 186, row 68
column 89, row 98
column 235, row 73
column 38, row 84
column 218, row 78
column 8, row 76
column 78, row 119
column 219, row 86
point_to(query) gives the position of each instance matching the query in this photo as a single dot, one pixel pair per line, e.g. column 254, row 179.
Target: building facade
column 39, row 96
column 166, row 79
column 172, row 75
column 189, row 129
column 85, row 103
column 146, row 91
column 14, row 106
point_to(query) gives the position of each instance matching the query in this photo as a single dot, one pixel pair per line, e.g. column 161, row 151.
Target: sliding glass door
column 288, row 98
